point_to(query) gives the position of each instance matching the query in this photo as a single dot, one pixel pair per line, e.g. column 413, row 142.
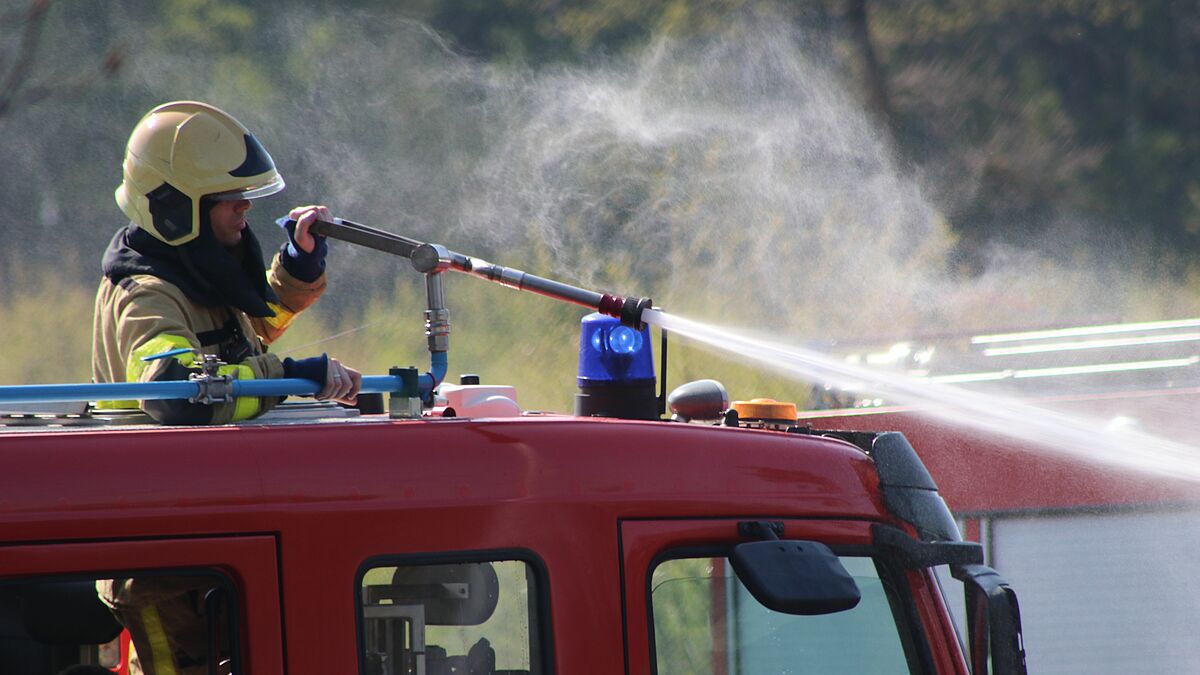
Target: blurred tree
column 435, row 118
column 20, row 39
column 1029, row 112
column 518, row 30
column 874, row 82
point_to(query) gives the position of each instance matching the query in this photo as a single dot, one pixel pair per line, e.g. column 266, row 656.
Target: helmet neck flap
column 203, row 269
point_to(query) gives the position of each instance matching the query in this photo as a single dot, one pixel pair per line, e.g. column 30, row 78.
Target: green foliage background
column 964, row 166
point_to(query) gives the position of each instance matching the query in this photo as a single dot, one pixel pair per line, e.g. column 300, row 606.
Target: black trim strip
column 279, row 589
column 140, row 538
column 621, row 595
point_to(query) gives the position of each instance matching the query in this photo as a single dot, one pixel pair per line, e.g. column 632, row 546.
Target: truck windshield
column 705, row 621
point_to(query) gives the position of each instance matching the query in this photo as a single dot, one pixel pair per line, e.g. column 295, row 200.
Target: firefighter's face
column 228, row 219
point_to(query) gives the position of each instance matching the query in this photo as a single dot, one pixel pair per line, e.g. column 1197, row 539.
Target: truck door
column 687, row 611
column 203, row 605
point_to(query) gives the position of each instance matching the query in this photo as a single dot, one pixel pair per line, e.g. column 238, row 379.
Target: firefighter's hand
column 341, row 383
column 305, row 216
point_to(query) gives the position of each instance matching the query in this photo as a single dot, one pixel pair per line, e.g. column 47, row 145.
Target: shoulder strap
column 230, row 331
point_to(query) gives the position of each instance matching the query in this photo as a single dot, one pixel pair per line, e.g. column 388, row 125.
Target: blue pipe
column 181, row 389
column 371, row 384
column 121, row 391
column 439, row 363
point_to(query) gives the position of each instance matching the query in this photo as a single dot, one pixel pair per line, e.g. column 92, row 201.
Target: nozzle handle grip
column 363, row 235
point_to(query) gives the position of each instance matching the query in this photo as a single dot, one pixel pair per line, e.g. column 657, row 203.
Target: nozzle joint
column 631, row 311
column 437, row 329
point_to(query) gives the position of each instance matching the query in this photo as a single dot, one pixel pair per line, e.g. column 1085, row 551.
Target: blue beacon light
column 616, row 370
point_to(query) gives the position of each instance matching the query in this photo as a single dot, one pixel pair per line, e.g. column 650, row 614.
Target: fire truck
column 452, row 531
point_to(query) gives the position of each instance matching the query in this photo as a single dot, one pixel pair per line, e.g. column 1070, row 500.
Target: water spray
column 1067, row 435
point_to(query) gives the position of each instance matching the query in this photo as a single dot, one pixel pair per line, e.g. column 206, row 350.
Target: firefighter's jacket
column 144, row 314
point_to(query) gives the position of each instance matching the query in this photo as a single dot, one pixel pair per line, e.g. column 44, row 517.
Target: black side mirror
column 994, row 620
column 795, row 576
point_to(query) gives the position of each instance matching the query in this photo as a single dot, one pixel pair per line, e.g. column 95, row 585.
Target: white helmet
column 182, row 151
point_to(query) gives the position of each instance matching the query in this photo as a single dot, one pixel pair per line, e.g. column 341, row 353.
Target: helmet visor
column 251, row 192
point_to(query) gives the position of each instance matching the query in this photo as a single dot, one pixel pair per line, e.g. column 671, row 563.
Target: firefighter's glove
column 338, row 382
column 299, row 263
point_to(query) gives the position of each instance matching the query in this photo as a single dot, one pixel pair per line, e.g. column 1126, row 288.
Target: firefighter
column 188, row 272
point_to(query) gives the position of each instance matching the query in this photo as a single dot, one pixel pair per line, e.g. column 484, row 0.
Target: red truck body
column 292, row 513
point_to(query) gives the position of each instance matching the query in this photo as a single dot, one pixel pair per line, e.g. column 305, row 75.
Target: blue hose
column 184, row 389
column 439, row 363
column 180, row 389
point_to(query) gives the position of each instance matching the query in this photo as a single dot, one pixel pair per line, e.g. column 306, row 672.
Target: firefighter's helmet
column 183, row 151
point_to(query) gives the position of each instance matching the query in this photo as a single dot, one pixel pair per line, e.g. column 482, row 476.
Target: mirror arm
column 763, row 530
column 212, row 616
column 914, row 554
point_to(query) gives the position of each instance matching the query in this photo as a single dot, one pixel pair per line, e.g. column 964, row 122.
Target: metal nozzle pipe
column 628, row 310
column 432, row 259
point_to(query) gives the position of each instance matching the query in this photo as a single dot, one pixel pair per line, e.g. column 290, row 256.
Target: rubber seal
column 631, row 311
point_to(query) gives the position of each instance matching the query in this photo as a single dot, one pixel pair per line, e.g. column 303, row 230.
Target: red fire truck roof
column 89, row 483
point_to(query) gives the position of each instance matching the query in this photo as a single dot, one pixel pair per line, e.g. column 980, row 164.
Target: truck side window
column 149, row 622
column 438, row 619
column 706, row 621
